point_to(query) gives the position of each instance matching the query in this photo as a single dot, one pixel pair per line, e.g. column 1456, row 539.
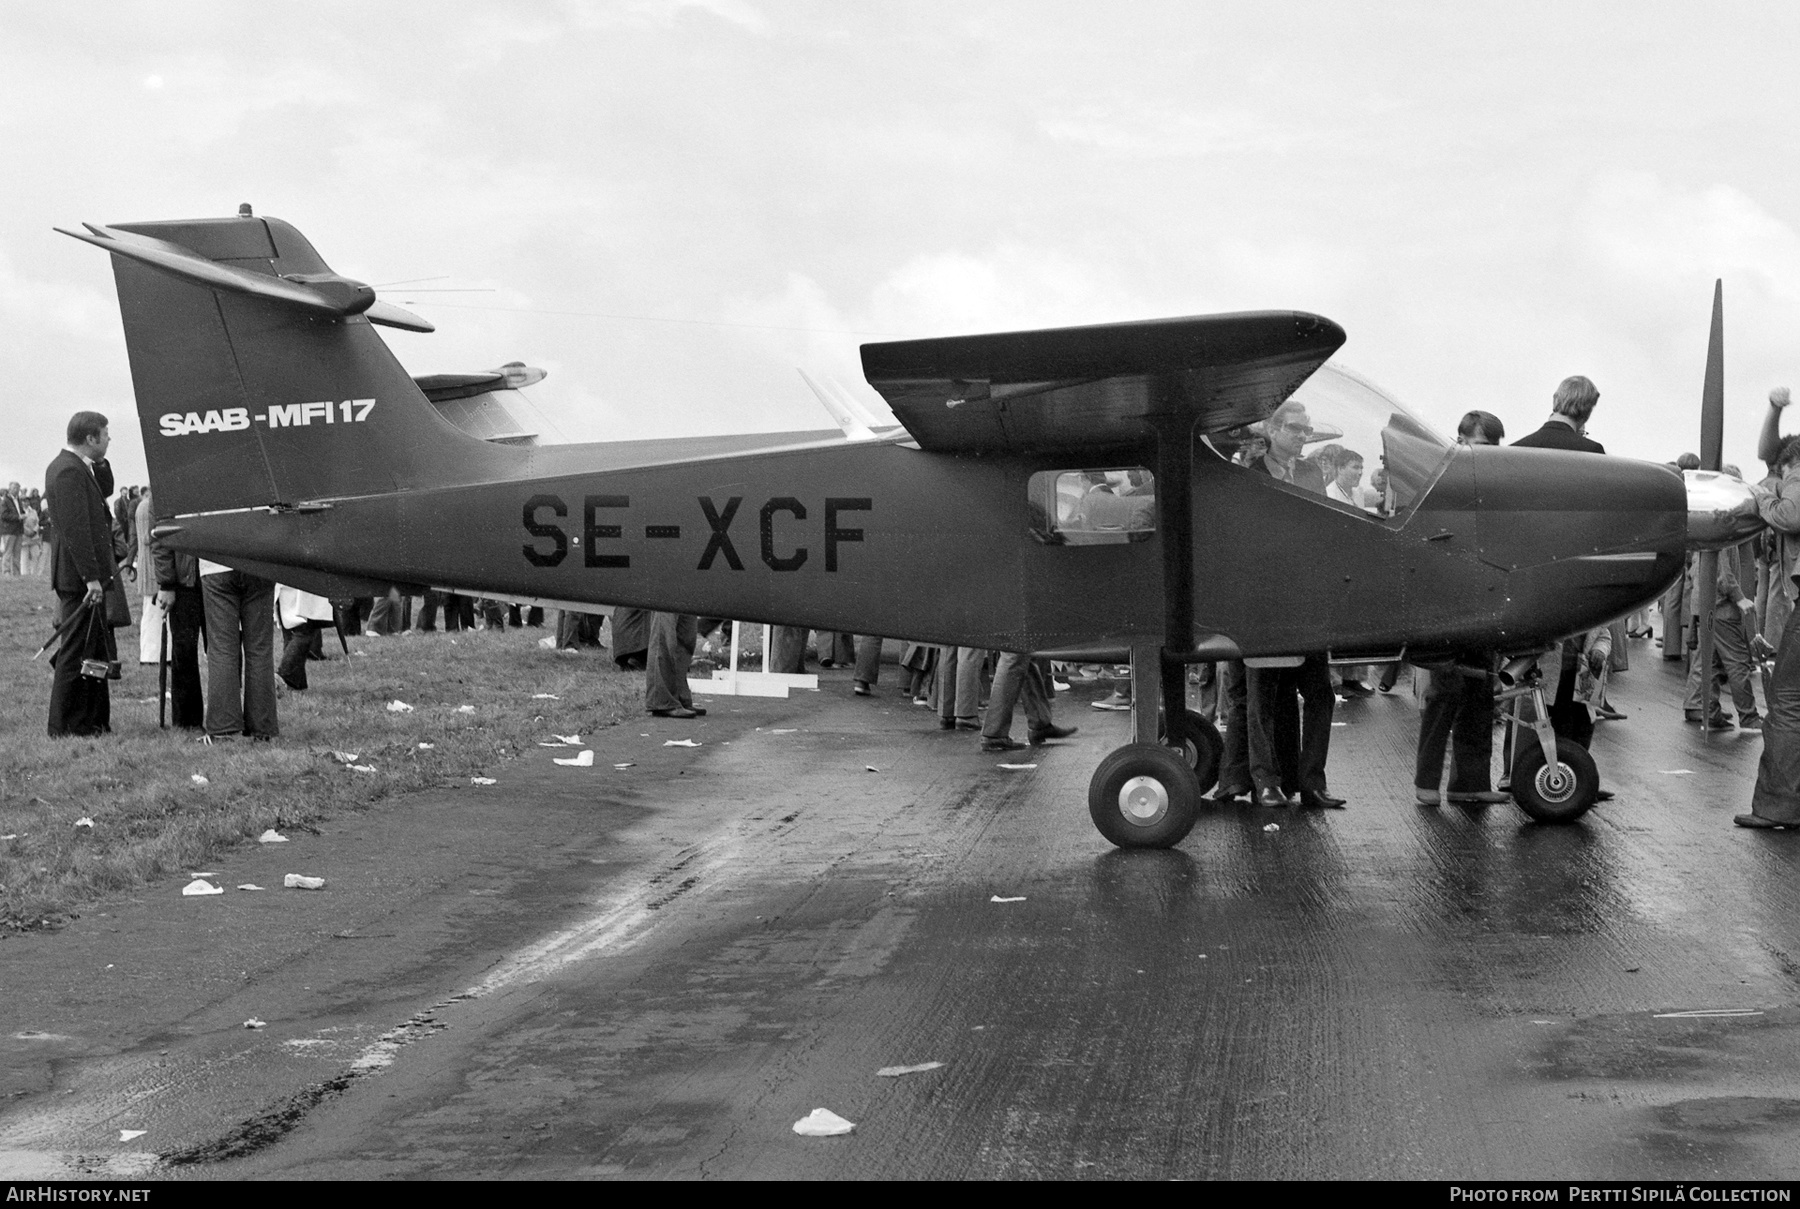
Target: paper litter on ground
column 545, row 697
column 253, row 1022
column 271, row 836
column 583, row 759
column 1272, row 827
column 345, row 757
column 465, row 709
column 822, row 1123
column 362, row 768
column 871, row 768
column 200, row 886
column 571, row 740
column 427, row 746
column 199, row 780
column 1677, row 772
column 299, row 881
column 482, row 781
column 679, row 743
column 399, row 707
column 998, row 899
column 786, row 730
column 84, row 821
column 249, row 886
column 125, row 1135
column 625, row 765
column 893, row 1072
column 1018, row 767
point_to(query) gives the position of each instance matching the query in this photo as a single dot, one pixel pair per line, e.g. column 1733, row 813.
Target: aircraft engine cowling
column 1721, row 510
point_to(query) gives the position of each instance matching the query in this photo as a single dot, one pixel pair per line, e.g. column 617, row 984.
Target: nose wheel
column 1144, row 796
column 1555, row 793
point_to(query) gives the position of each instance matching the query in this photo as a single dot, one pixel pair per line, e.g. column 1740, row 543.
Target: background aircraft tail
column 260, row 379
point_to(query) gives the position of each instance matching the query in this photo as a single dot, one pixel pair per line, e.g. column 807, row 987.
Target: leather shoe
column 1760, row 823
column 681, row 711
column 1271, row 796
column 946, row 723
column 1224, row 794
column 1427, row 797
column 1044, row 734
column 968, row 724
column 1479, row 797
column 1603, row 795
column 861, row 688
column 1006, row 744
column 1318, row 799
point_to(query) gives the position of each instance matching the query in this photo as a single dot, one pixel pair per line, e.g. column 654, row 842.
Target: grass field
column 151, row 818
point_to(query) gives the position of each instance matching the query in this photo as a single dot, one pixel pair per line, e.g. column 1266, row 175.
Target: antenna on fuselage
column 845, row 417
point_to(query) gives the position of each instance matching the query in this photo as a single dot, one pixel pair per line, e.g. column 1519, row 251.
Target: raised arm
column 1768, row 443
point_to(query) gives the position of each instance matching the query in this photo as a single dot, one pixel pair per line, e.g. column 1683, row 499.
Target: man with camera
column 82, row 564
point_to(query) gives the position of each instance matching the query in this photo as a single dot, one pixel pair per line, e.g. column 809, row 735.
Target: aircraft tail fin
column 259, row 378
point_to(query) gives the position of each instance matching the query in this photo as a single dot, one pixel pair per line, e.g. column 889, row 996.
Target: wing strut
column 1160, row 673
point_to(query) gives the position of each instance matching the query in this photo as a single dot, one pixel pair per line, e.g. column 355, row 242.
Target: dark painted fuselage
column 1508, row 549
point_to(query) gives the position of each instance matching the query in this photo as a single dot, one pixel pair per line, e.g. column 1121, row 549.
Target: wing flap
column 1062, row 388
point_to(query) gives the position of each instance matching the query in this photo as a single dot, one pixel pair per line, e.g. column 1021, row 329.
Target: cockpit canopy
column 1370, row 451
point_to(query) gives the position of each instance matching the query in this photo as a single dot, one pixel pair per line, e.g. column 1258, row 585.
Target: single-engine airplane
column 284, row 438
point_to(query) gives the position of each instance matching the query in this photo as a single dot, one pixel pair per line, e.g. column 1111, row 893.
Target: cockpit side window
column 1096, row 507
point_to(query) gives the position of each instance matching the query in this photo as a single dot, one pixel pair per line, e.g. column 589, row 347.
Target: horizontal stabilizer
column 319, row 293
column 389, row 315
column 1092, row 387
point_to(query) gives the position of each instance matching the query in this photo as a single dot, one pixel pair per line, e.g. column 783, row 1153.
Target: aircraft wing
column 1091, row 387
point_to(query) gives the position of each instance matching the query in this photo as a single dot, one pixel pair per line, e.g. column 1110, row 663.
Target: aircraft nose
column 1721, row 510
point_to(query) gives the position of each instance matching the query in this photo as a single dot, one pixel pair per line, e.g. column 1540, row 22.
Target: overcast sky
column 674, row 203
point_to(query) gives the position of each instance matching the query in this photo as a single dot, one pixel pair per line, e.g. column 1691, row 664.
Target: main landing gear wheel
column 1144, row 796
column 1554, row 795
column 1200, row 744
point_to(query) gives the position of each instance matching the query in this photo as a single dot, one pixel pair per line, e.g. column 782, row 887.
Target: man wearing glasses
column 1288, row 431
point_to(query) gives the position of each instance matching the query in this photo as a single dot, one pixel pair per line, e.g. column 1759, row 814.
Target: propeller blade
column 1712, row 441
column 1712, row 393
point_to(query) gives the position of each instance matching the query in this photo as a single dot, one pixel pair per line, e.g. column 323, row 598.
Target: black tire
column 1201, row 745
column 1144, row 796
column 1554, row 795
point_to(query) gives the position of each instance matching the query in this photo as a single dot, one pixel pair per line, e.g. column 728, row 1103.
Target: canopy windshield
column 1375, row 453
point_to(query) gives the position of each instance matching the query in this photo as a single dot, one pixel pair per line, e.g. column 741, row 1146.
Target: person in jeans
column 240, row 654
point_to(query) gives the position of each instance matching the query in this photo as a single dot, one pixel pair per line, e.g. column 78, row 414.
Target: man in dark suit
column 1566, row 428
column 178, row 591
column 81, row 565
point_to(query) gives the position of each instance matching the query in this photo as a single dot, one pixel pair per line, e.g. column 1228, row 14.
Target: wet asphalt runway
column 656, row 971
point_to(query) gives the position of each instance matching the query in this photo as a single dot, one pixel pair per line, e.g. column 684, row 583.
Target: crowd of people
column 1276, row 720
